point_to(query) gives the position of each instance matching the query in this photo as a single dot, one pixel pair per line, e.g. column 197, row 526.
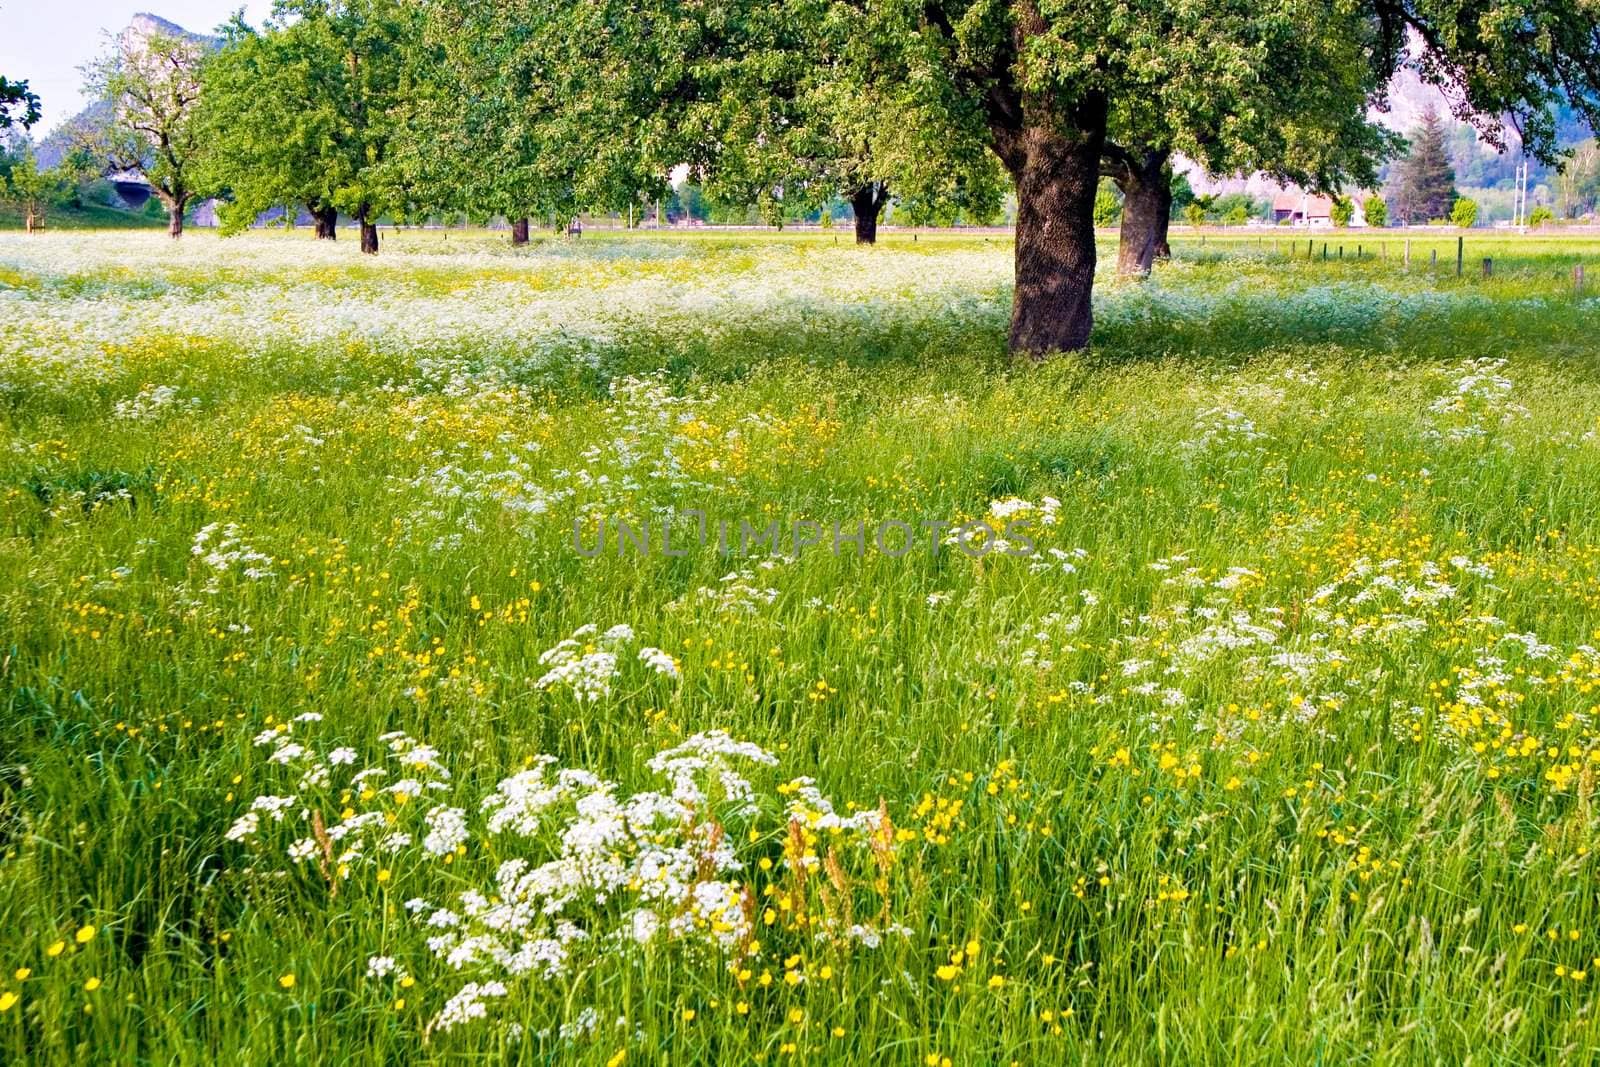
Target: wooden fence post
column 1488, row 266
column 1461, row 251
column 1408, row 253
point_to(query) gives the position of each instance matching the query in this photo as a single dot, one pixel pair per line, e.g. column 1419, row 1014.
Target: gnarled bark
column 369, row 231
column 519, row 232
column 326, row 219
column 1146, row 184
column 867, row 203
column 1056, row 173
column 175, row 205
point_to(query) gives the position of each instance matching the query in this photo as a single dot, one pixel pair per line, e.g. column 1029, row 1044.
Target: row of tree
column 540, row 108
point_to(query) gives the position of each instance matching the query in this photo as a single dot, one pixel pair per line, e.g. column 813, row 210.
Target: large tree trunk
column 1056, row 176
column 519, row 232
column 867, row 203
column 326, row 219
column 1146, row 206
column 175, row 218
column 369, row 231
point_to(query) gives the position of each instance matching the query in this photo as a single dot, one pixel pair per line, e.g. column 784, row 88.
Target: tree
column 1541, row 215
column 1341, row 211
column 32, row 190
column 18, row 106
column 1302, row 119
column 1048, row 83
column 1107, row 204
column 153, row 84
column 823, row 112
column 307, row 112
column 1578, row 185
column 269, row 142
column 1375, row 211
column 523, row 108
column 1427, row 183
column 1464, row 213
column 1232, row 209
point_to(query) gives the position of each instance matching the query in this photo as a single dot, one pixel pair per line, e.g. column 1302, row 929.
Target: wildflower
column 286, row 980
column 91, row 985
column 85, row 934
column 8, row 1000
column 55, row 948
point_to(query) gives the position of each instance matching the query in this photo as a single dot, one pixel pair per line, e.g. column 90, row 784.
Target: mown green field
column 87, row 217
column 327, row 740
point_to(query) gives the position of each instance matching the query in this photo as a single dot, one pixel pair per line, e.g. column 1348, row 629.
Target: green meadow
column 1225, row 693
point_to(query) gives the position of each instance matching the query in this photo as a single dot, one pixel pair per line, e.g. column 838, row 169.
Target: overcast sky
column 45, row 41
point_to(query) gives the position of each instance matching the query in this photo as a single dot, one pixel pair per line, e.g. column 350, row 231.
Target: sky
column 44, row 42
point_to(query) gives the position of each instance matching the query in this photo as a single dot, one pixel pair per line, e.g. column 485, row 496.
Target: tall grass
column 1286, row 753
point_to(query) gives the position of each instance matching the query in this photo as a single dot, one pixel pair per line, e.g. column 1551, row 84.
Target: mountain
column 145, row 25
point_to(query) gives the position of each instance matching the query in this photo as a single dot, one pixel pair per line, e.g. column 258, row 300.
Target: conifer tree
column 1427, row 185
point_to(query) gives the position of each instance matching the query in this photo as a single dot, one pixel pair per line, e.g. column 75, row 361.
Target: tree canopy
column 153, row 84
column 1425, row 187
column 532, row 107
column 18, row 106
column 307, row 110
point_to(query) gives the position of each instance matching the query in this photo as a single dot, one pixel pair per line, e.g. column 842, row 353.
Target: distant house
column 1296, row 207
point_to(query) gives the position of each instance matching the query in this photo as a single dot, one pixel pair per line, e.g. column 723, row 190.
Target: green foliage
column 18, row 106
column 1375, row 210
column 1232, row 209
column 30, row 190
column 153, row 86
column 1464, row 213
column 1541, row 215
column 828, row 109
column 1182, row 194
column 1194, row 212
column 527, row 108
column 1107, row 204
column 1341, row 211
column 1425, row 188
column 1578, row 184
column 305, row 111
